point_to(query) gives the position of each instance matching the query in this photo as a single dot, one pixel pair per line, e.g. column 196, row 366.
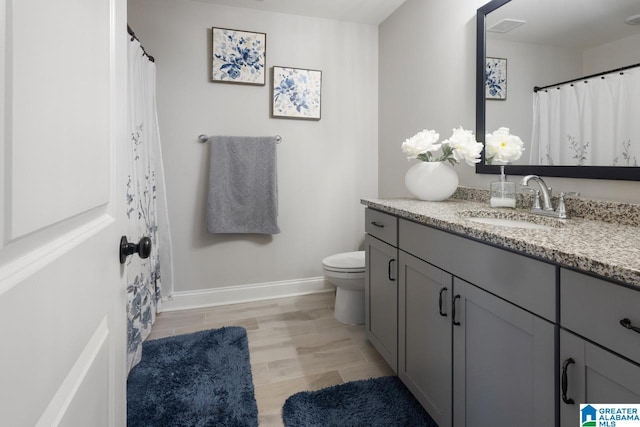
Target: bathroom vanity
column 503, row 325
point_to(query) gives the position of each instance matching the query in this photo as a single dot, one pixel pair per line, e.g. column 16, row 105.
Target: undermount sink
column 512, row 219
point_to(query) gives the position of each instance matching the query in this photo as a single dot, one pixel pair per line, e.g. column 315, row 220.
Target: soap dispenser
column 503, row 192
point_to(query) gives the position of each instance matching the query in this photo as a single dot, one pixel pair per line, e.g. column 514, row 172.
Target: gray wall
column 324, row 168
column 524, row 73
column 612, row 55
column 427, row 80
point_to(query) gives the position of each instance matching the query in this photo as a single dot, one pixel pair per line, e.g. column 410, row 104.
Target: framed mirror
column 583, row 119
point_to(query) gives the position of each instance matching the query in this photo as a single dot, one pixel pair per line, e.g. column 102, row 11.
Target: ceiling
column 580, row 24
column 362, row 11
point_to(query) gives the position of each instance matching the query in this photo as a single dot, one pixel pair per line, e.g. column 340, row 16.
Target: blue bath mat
column 383, row 401
column 199, row 379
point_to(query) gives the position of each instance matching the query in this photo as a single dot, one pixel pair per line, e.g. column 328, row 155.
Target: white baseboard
column 245, row 293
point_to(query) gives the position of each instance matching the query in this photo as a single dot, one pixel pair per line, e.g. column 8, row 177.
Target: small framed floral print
column 496, row 72
column 296, row 93
column 238, row 56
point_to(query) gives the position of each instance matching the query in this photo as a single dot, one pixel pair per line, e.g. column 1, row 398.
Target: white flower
column 502, row 147
column 464, row 145
column 421, row 143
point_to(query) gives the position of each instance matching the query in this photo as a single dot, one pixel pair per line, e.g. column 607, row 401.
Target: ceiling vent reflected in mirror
column 633, row 20
column 506, row 25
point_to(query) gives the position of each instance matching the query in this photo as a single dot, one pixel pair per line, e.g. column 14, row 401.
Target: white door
column 62, row 293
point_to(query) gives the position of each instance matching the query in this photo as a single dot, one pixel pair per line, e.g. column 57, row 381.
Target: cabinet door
column 593, row 375
column 381, row 299
column 424, row 324
column 503, row 362
column 594, row 308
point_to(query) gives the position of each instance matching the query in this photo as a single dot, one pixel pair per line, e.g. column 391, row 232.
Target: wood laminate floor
column 295, row 344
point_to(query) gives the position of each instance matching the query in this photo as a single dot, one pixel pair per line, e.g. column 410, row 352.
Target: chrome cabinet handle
column 565, row 380
column 440, row 302
column 626, row 323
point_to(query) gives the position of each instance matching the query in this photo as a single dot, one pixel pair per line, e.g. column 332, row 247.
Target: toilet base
column 349, row 307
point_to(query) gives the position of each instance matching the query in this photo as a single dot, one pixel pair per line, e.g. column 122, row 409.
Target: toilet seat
column 346, row 262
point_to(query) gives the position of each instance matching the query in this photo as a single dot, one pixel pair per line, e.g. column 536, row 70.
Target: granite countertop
column 607, row 249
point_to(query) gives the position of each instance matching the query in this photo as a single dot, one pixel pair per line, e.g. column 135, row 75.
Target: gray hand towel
column 243, row 192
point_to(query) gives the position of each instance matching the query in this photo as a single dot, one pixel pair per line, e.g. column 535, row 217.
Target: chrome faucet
column 546, row 208
column 544, row 190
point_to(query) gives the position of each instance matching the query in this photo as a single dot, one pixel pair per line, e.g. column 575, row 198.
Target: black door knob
column 143, row 248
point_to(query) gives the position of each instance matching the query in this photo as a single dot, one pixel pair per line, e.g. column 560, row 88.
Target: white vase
column 431, row 181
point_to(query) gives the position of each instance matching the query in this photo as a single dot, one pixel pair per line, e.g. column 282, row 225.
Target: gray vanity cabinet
column 593, row 375
column 424, row 340
column 599, row 357
column 381, row 285
column 490, row 337
column 491, row 360
column 503, row 362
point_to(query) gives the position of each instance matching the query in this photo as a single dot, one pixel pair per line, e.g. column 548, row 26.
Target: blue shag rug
column 383, row 401
column 199, row 379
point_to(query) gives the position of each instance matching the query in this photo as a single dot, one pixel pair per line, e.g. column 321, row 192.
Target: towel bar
column 205, row 138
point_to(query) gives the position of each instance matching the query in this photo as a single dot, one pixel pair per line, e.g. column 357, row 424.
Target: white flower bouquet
column 433, row 179
column 461, row 145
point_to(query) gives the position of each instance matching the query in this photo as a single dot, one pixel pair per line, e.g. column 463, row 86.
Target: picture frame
column 238, row 56
column 296, row 93
column 496, row 78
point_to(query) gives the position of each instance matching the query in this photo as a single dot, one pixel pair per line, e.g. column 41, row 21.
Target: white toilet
column 346, row 272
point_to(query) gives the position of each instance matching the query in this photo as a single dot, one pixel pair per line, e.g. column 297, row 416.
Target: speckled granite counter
column 607, row 249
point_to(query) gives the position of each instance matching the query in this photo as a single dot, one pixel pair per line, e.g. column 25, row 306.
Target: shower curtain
column 591, row 122
column 149, row 280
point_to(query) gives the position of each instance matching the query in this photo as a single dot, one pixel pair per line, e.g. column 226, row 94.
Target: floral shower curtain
column 149, row 280
column 588, row 123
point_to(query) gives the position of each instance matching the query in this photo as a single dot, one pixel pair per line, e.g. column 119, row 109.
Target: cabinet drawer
column 526, row 282
column 593, row 308
column 381, row 225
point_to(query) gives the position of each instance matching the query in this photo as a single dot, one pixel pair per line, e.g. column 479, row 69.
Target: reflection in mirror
column 575, row 125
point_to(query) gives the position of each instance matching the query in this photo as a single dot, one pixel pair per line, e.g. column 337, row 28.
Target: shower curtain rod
column 133, row 37
column 537, row 88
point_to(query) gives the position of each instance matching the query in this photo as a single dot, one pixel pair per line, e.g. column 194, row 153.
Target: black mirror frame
column 592, row 172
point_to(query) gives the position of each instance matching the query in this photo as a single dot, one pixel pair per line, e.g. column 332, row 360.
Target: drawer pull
column 377, row 224
column 391, row 261
column 453, row 310
column 565, row 367
column 627, row 324
column 440, row 302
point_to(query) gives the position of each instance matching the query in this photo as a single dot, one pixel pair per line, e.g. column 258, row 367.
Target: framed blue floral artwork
column 238, row 56
column 496, row 71
column 296, row 93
